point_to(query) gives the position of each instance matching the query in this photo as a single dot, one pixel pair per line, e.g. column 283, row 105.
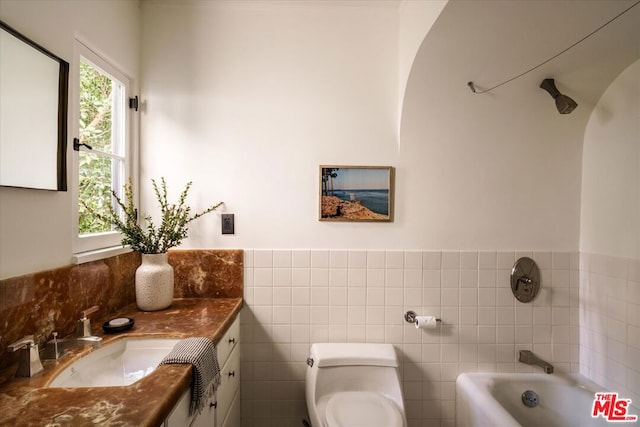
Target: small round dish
column 119, row 324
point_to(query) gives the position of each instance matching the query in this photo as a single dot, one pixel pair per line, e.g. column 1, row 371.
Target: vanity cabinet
column 179, row 416
column 228, row 394
column 222, row 409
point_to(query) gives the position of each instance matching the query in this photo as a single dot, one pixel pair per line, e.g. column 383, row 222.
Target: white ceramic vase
column 154, row 283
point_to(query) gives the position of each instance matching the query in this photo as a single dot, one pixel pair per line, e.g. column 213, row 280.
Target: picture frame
column 356, row 193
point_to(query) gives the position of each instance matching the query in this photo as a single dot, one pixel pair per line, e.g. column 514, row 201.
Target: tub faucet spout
column 529, row 358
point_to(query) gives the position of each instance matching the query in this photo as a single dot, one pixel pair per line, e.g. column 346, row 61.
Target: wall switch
column 227, row 224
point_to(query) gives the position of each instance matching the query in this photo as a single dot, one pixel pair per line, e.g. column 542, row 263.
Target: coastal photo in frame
column 356, row 193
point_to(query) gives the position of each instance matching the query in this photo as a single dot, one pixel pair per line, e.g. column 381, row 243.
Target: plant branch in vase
column 154, row 277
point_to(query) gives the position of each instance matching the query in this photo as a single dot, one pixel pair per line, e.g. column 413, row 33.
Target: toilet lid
column 362, row 409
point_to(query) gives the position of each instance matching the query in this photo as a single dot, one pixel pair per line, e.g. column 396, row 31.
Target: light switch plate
column 228, row 224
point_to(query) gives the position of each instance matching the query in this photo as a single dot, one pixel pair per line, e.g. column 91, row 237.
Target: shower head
column 564, row 104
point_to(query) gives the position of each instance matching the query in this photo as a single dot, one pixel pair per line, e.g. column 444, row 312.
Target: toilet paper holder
column 410, row 317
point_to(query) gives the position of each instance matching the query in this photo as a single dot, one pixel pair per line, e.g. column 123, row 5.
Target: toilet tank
column 353, row 354
column 336, row 367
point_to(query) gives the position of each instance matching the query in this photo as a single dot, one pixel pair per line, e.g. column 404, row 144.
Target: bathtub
column 495, row 399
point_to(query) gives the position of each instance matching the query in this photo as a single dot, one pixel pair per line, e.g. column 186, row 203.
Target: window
column 102, row 146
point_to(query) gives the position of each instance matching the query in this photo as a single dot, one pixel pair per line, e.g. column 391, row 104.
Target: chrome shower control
column 525, row 279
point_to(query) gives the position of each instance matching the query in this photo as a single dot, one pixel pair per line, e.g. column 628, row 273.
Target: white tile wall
column 296, row 297
column 610, row 322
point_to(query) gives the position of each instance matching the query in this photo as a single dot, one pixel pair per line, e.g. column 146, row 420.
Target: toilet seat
column 362, row 409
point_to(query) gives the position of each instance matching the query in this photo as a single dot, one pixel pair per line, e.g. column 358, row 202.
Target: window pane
column 96, row 181
column 102, row 124
column 101, row 127
column 96, row 104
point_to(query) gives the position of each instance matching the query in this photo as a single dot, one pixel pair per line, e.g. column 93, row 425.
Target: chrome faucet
column 29, row 358
column 56, row 347
column 529, row 358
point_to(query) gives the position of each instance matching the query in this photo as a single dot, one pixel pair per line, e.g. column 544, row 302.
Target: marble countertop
column 147, row 402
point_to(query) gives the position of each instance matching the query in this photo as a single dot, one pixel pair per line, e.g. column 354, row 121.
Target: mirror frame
column 63, row 106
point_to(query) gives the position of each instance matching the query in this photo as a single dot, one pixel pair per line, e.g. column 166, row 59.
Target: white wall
column 610, row 239
column 35, row 225
column 415, row 20
column 247, row 99
column 610, row 209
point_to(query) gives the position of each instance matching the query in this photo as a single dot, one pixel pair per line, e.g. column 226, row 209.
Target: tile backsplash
column 610, row 323
column 297, row 297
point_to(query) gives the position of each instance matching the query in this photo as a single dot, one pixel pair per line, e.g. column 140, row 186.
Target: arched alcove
column 503, row 169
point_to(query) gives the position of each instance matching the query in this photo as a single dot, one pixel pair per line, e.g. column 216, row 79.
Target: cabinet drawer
column 228, row 341
column 206, row 418
column 233, row 417
column 180, row 417
column 229, row 386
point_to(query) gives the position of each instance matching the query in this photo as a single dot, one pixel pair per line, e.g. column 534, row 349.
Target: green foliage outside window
column 95, row 171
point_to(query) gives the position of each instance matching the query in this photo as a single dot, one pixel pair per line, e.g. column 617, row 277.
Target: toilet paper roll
column 426, row 322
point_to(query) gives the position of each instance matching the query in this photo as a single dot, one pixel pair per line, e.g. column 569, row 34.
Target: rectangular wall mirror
column 33, row 114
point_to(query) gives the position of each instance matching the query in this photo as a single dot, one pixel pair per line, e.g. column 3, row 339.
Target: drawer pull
column 213, row 404
column 232, row 340
column 232, row 373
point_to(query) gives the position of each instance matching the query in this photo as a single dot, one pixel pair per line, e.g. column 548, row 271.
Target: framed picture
column 356, row 193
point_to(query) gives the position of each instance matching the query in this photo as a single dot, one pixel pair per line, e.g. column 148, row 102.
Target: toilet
column 354, row 385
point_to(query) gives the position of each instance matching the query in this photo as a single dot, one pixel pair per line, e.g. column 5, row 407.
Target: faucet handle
column 23, row 342
column 86, row 312
column 83, row 327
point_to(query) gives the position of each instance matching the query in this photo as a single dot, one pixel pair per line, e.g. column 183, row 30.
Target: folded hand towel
column 201, row 353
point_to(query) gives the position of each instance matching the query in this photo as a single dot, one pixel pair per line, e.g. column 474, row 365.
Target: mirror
column 33, row 114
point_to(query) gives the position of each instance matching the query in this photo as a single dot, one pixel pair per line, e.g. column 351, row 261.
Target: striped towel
column 201, row 353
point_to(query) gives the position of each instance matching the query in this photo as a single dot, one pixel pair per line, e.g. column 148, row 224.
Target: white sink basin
column 117, row 364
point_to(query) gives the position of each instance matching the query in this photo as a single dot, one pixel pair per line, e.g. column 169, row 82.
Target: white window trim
column 88, row 248
column 81, row 258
